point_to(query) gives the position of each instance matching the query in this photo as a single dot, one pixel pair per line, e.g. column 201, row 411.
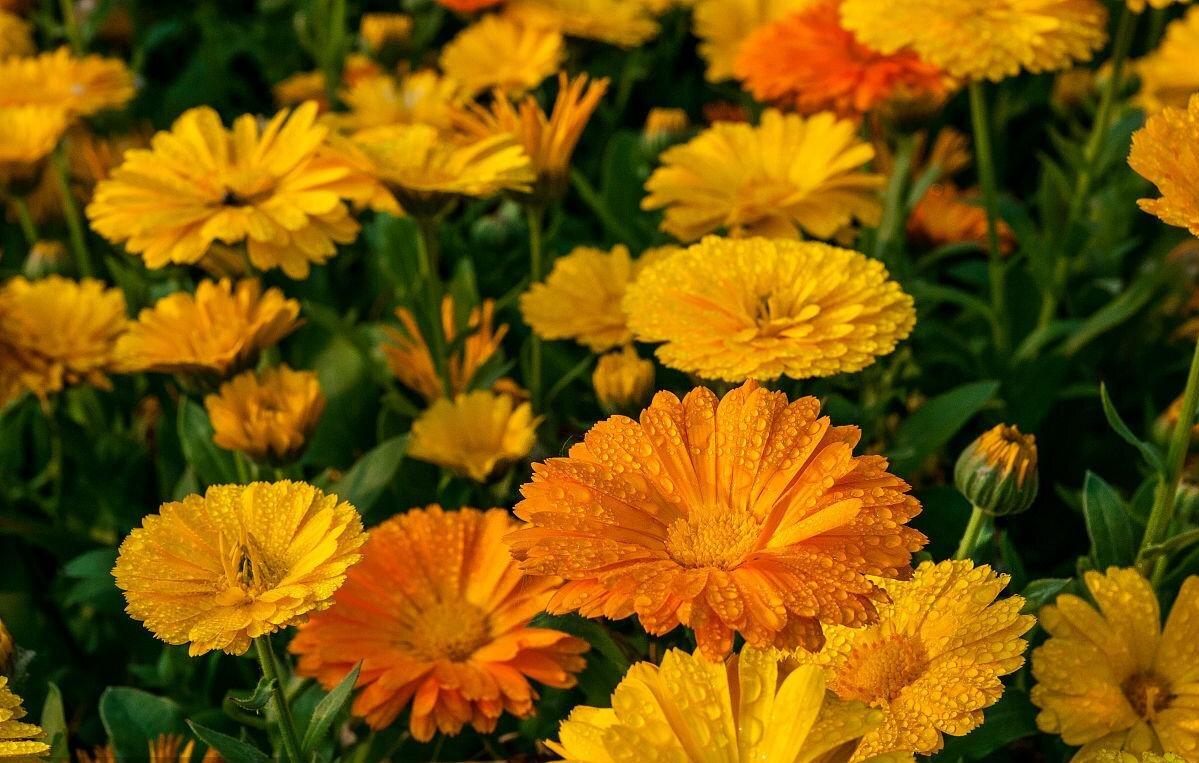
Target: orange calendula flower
column 239, row 562
column 746, row 514
column 269, row 416
column 1166, row 153
column 502, row 53
column 439, row 616
column 948, row 215
column 723, row 25
column 77, row 86
column 475, row 434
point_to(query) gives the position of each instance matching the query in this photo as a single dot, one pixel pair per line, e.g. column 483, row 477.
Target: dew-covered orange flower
column 269, row 416
column 215, row 332
column 948, row 215
column 78, row 86
column 239, row 562
column 1166, row 153
column 1111, row 677
column 422, row 97
column 933, row 661
column 748, row 514
column 809, row 62
column 475, row 434
column 788, row 175
column 30, row 134
column 20, row 742
column 502, row 53
column 723, row 25
column 438, row 614
column 1168, row 75
column 624, row 23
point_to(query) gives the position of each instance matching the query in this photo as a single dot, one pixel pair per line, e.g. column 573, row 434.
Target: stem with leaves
column 990, row 191
column 83, row 258
column 287, row 724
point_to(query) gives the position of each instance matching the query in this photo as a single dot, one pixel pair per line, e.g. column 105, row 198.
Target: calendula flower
column 737, row 309
column 382, row 30
column 215, row 332
column 18, row 739
column 476, row 434
column 1116, row 756
column 982, row 39
column 58, row 332
column 310, row 86
column 164, row 748
column 809, row 62
column 1113, row 678
column 78, row 86
column 438, row 614
column 622, row 380
column 1168, row 76
column 502, row 53
column 747, row 514
column 16, row 36
column 30, row 134
column 269, row 416
column 200, row 183
column 723, row 25
column 624, row 23
column 411, row 361
column 1166, row 153
column 948, row 215
column 1137, row 6
column 933, row 661
column 789, row 174
column 242, row 561
column 689, row 709
column 422, row 97
column 549, row 140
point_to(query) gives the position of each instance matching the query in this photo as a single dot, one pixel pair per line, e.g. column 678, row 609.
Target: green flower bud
column 998, row 471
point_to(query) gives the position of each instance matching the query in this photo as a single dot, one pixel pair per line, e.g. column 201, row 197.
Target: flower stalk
column 970, row 536
column 286, row 723
column 535, row 216
column 83, row 259
column 984, row 153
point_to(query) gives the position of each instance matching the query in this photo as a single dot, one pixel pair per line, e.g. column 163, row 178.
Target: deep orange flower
column 746, row 514
column 947, row 215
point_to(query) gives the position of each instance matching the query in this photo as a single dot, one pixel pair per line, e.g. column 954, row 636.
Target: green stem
column 426, row 245
column 535, row 216
column 990, row 192
column 83, row 259
column 333, row 23
column 287, row 725
column 974, row 529
column 893, row 203
column 427, row 266
column 28, row 226
column 70, row 25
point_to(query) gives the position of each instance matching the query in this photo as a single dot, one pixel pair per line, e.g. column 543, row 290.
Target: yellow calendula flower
column 502, row 53
column 269, row 416
column 475, row 434
column 422, row 97
column 78, row 86
column 200, row 183
column 239, row 562
column 16, row 36
column 722, row 25
column 982, row 39
column 933, row 661
column 690, row 709
column 18, row 740
column 1137, row 6
column 215, row 332
column 624, row 23
column 381, row 30
column 788, row 175
column 1116, row 756
column 164, row 748
column 1164, row 153
column 1112, row 677
column 623, row 380
column 1168, row 75
column 30, row 134
column 737, row 309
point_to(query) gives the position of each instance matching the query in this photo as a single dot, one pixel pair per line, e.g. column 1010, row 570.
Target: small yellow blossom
column 422, row 97
column 1168, row 75
column 475, row 434
column 30, row 134
column 623, row 381
column 624, row 23
column 502, row 53
column 269, row 416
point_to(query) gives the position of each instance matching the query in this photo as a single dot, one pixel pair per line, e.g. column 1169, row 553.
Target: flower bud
column 998, row 471
column 45, row 257
column 663, row 127
column 623, row 381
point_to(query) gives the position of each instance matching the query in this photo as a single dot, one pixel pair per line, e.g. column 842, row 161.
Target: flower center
column 1148, row 693
column 712, row 536
column 246, row 571
column 878, row 671
column 448, row 630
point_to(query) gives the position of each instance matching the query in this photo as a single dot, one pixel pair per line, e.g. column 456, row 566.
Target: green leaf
column 133, row 717
column 1148, row 452
column 213, row 465
column 1012, row 717
column 54, row 723
column 1108, row 524
column 366, row 480
column 259, row 697
column 1038, row 593
column 327, row 711
column 231, row 749
column 936, row 422
column 591, row 631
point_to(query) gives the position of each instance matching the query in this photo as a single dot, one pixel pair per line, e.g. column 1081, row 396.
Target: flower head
column 502, row 53
column 30, row 134
column 625, row 23
column 1166, row 153
column 746, row 514
column 475, row 434
column 242, row 561
column 947, row 215
column 382, row 30
column 16, row 36
column 1113, row 678
column 269, row 416
column 18, row 739
column 690, row 709
column 789, row 174
column 422, row 97
column 982, row 39
column 1168, row 75
column 622, row 380
column 217, row 331
column 77, row 86
column 998, row 471
column 934, row 659
column 439, row 616
column 723, row 25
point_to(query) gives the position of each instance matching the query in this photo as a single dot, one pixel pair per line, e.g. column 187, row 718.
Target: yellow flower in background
column 933, row 661
column 1112, row 678
column 78, row 86
column 662, row 125
column 422, row 97
column 722, row 25
column 788, row 175
column 1137, row 6
column 1115, row 756
column 1166, row 153
column 623, row 380
column 689, row 709
column 737, row 309
column 983, row 39
column 310, row 86
column 30, row 135
column 381, row 30
column 200, row 183
column 1168, row 75
column 548, row 140
column 624, row 23
column 18, row 739
column 164, row 748
column 16, row 36
column 407, row 352
column 269, row 416
column 216, row 332
column 502, row 53
column 242, row 561
column 476, row 434
column 439, row 615
column 746, row 514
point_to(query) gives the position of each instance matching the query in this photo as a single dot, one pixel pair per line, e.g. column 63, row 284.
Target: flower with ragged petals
column 18, row 740
column 1166, row 153
column 723, row 25
column 502, row 53
column 624, row 23
column 1168, row 76
column 268, row 415
column 79, row 86
column 474, row 434
column 747, row 514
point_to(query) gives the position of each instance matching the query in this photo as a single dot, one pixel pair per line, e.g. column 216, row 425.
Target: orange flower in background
column 947, row 215
column 809, row 61
column 439, row 615
column 747, row 514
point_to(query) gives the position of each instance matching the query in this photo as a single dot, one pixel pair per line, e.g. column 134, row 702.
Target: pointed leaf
column 231, row 749
column 1109, row 525
column 328, row 709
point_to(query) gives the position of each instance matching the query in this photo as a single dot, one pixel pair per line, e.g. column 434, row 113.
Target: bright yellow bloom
column 411, row 361
column 16, row 36
column 423, row 97
column 624, row 23
column 30, row 134
column 164, row 748
column 502, row 53
column 242, row 561
column 982, row 39
column 933, row 661
column 200, row 183
column 722, row 25
column 439, row 615
column 78, row 86
column 476, row 434
column 1137, row 6
column 380, row 30
column 787, row 175
column 18, row 739
column 269, row 416
column 216, row 332
column 1168, row 75
column 737, row 309
column 623, row 380
column 1166, row 153
column 1113, row 678
column 1115, row 756
column 689, row 709
column 747, row 514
